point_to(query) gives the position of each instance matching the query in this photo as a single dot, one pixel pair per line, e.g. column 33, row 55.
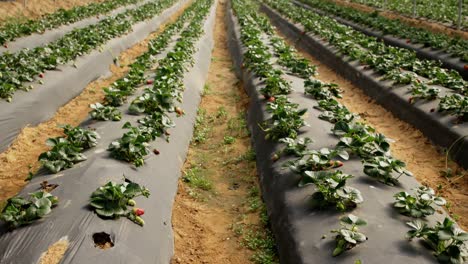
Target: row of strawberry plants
column 314, row 166
column 286, row 120
column 13, row 30
column 116, row 95
column 112, row 200
column 160, row 99
column 158, row 102
column 455, row 46
column 445, row 11
column 396, row 64
column 28, row 64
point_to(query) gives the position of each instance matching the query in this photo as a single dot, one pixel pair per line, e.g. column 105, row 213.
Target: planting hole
column 102, row 240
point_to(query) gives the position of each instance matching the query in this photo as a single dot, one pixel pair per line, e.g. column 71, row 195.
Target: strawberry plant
column 286, row 119
column 158, row 122
column 455, row 104
column 423, row 91
column 114, row 200
column 275, row 85
column 348, row 236
column 20, row 211
column 287, row 55
column 115, row 97
column 419, row 205
column 296, row 147
column 383, row 169
column 132, row 147
column 63, row 155
column 320, row 90
column 80, row 137
column 105, row 113
column 448, row 242
column 331, row 190
column 334, row 112
column 318, row 160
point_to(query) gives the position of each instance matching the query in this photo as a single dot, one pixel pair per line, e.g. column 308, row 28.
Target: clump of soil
column 54, row 253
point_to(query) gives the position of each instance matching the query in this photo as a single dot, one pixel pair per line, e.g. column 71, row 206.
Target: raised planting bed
column 60, row 86
column 74, row 220
column 426, row 44
column 302, row 232
column 16, row 29
column 439, row 127
column 444, row 12
column 51, row 34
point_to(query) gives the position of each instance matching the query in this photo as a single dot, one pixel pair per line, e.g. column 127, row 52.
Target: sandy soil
column 21, row 157
column 422, row 158
column 210, row 226
column 14, row 10
column 419, row 23
column 55, row 253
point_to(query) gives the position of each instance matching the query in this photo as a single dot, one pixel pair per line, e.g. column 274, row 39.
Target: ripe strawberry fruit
column 41, row 75
column 5, row 45
column 271, row 99
column 149, row 81
column 275, row 157
column 179, row 111
column 138, row 211
column 336, row 164
column 465, row 67
column 156, row 152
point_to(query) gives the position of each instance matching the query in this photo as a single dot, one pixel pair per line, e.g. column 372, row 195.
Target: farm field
column 233, row 131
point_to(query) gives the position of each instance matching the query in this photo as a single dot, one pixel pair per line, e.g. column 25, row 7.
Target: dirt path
column 419, row 23
column 218, row 216
column 15, row 10
column 21, row 157
column 411, row 146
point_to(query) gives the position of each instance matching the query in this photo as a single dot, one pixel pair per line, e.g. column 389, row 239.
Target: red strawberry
column 179, row 111
column 138, row 211
column 271, row 99
column 5, row 45
column 149, row 81
column 408, row 41
column 41, row 75
column 336, row 163
column 156, row 152
column 275, row 157
column 465, row 67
